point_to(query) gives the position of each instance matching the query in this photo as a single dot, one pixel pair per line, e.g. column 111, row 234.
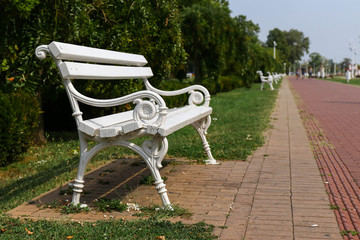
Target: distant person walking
column 310, row 72
column 348, row 75
column 303, row 72
column 322, row 70
column 297, row 73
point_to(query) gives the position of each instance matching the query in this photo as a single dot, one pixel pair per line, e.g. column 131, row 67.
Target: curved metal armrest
column 148, row 112
column 198, row 93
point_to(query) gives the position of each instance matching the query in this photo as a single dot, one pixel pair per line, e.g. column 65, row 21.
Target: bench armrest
column 198, row 93
column 147, row 112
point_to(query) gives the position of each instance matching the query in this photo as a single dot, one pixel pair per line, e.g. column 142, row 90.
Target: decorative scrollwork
column 156, row 150
column 203, row 124
column 41, row 52
column 144, row 110
column 195, row 98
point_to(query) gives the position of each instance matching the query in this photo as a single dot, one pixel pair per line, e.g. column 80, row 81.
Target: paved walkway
column 277, row 194
column 331, row 115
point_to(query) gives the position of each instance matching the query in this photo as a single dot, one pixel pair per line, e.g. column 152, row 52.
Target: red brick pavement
column 331, row 113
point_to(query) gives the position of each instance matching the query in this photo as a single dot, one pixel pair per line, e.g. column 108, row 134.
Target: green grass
column 108, row 205
column 158, row 212
column 149, row 180
column 13, row 229
column 239, row 120
column 44, row 168
column 355, row 81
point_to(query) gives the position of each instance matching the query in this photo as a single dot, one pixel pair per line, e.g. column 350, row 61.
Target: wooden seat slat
column 87, row 54
column 116, row 124
column 75, row 70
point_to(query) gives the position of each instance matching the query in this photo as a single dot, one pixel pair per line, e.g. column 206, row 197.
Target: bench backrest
column 260, row 73
column 77, row 62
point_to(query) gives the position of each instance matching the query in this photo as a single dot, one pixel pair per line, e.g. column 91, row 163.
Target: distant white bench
column 150, row 117
column 269, row 80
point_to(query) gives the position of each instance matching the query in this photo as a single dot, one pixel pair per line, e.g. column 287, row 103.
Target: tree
column 204, row 36
column 298, row 44
column 244, row 49
column 292, row 44
column 315, row 60
column 345, row 63
column 278, row 36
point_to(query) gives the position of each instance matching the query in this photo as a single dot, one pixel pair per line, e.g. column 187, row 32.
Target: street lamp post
column 275, row 49
column 352, row 60
column 355, row 63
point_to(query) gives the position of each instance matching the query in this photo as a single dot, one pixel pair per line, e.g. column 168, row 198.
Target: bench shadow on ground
column 112, row 181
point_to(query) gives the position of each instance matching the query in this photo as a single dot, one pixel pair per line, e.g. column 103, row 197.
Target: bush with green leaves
column 150, row 28
column 19, row 113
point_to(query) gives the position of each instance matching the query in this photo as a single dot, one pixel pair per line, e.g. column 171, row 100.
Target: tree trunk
column 39, row 133
column 198, row 70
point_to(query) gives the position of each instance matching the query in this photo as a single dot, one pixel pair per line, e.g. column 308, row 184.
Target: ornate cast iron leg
column 79, row 181
column 271, row 86
column 201, row 127
column 155, row 151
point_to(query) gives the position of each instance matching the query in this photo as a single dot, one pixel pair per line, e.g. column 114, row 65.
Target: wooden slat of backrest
column 66, row 51
column 75, row 70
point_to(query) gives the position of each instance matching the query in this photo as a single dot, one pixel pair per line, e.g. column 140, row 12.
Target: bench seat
column 123, row 123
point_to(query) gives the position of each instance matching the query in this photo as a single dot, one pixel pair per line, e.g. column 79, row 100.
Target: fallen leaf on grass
column 28, row 232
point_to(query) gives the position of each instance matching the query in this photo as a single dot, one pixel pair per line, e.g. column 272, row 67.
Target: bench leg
column 85, row 157
column 262, row 85
column 152, row 151
column 155, row 151
column 271, row 86
column 201, row 127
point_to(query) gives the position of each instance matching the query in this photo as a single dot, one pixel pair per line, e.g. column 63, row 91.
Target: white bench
column 276, row 77
column 150, row 117
column 268, row 80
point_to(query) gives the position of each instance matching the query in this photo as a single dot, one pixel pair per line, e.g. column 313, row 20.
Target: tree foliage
column 292, row 44
column 151, row 28
column 315, row 59
column 218, row 44
column 204, row 28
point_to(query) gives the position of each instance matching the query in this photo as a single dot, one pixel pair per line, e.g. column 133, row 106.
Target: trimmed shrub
column 19, row 114
column 228, row 83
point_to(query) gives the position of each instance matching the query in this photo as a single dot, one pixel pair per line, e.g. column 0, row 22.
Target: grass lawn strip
column 110, row 229
column 354, row 81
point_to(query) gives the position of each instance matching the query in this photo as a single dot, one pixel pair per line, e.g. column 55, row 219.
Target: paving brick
column 233, row 233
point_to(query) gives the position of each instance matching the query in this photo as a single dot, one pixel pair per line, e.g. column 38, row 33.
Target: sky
column 329, row 24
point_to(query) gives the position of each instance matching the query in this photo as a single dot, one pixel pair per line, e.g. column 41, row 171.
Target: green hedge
column 19, row 114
